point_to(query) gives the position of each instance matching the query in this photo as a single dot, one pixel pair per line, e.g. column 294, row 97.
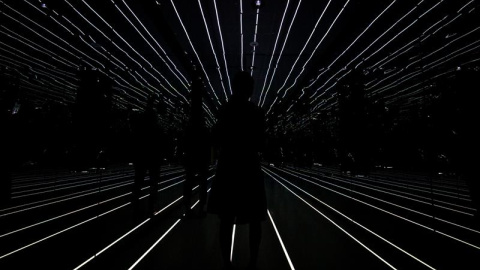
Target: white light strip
column 344, row 51
column 464, row 6
column 64, row 230
column 331, row 221
column 374, row 198
column 63, row 215
column 211, row 46
column 233, row 242
column 281, row 51
column 405, row 29
column 95, row 190
column 385, row 211
column 113, row 243
column 334, row 61
column 301, row 52
column 223, row 47
column 161, row 48
column 254, row 40
column 157, row 53
column 64, row 186
column 403, row 79
column 153, row 246
column 428, row 201
column 281, row 242
column 241, row 35
column 320, row 42
column 163, row 236
column 431, row 190
column 195, row 52
column 273, row 52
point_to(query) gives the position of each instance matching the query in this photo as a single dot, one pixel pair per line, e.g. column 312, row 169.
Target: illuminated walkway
column 318, row 219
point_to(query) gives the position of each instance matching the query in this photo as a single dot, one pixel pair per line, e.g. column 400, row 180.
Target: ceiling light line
column 323, row 38
column 403, row 79
column 112, row 42
column 133, row 49
column 53, row 34
column 223, row 47
column 41, row 11
column 281, row 52
column 273, row 52
column 36, row 61
column 395, row 54
column 76, row 27
column 241, row 35
column 213, row 49
column 403, row 30
column 46, row 73
column 38, row 34
column 185, row 81
column 433, row 25
column 44, row 92
column 384, row 33
column 384, row 79
column 423, row 14
column 301, row 52
column 90, row 46
column 344, row 51
column 328, row 88
column 255, row 41
column 461, row 53
column 397, row 82
column 452, row 20
column 158, row 54
column 195, row 52
column 443, row 47
column 149, row 44
column 383, row 89
column 118, row 35
column 104, row 35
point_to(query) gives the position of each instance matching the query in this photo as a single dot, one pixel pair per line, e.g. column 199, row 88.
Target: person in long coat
column 238, row 191
column 197, row 152
column 147, row 137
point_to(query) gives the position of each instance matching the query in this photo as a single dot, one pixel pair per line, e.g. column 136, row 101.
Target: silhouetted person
column 147, row 140
column 238, row 192
column 6, row 158
column 197, row 152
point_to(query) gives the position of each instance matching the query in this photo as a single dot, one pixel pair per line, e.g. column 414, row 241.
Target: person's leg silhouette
column 226, row 229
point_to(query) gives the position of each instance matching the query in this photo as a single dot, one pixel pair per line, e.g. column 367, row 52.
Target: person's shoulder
column 258, row 110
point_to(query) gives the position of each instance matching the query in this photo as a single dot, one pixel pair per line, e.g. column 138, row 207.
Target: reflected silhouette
column 146, row 143
column 197, row 152
column 6, row 158
column 238, row 192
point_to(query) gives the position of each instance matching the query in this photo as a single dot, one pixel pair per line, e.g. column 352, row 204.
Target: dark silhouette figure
column 238, row 192
column 5, row 157
column 197, row 152
column 147, row 137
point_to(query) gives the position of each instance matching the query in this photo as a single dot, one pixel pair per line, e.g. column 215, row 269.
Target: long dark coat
column 238, row 189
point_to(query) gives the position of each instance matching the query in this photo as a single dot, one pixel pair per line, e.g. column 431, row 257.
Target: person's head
column 242, row 85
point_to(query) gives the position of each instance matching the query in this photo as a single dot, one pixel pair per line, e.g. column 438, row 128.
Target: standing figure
column 238, row 191
column 147, row 156
column 197, row 152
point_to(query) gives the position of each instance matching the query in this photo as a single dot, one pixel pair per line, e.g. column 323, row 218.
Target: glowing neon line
column 333, row 222
column 281, row 242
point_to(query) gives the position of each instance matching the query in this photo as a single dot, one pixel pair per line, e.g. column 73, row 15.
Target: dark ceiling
column 296, row 50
